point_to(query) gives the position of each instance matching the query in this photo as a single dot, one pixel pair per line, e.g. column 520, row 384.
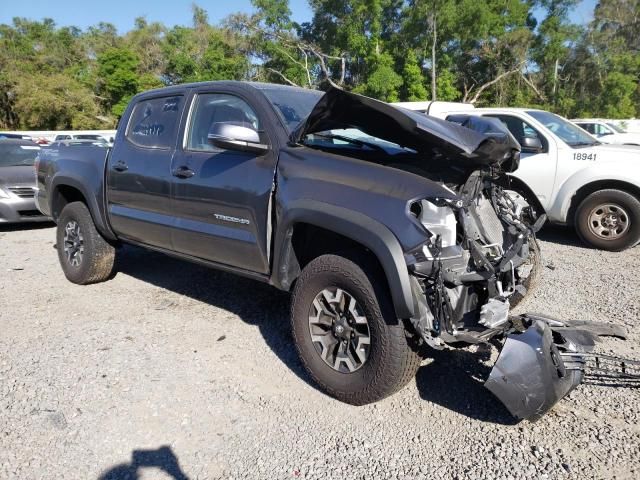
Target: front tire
column 346, row 332
column 85, row 256
column 609, row 220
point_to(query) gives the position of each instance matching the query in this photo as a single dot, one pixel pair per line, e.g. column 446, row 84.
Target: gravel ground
column 174, row 371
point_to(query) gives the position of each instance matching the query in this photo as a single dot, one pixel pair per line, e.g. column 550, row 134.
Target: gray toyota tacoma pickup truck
column 390, row 228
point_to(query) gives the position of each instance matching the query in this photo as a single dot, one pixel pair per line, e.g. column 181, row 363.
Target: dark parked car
column 389, row 227
column 18, row 181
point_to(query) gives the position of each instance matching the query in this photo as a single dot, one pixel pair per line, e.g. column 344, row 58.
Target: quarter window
column 212, row 108
column 154, row 122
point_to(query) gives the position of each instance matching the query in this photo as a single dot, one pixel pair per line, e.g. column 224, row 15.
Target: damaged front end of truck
column 481, row 257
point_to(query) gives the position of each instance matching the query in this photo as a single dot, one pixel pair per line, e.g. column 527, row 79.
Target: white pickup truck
column 565, row 172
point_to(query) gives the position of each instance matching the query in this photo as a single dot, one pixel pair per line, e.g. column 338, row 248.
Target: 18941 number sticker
column 584, row 156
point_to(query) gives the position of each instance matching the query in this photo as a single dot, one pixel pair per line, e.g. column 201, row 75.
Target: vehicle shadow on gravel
column 455, row 380
column 162, row 459
column 18, row 227
column 562, row 235
column 254, row 302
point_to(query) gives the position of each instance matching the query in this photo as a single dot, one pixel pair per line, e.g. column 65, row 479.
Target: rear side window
column 154, row 122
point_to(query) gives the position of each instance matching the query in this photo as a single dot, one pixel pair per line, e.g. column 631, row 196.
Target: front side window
column 602, row 129
column 154, row 122
column 589, row 127
column 520, row 129
column 212, row 108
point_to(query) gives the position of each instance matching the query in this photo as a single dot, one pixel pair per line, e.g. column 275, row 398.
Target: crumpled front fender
column 530, row 375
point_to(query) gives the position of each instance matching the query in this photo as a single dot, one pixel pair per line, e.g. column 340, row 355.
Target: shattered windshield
column 293, row 105
column 573, row 135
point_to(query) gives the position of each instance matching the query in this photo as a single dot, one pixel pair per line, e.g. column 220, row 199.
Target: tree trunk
column 555, row 81
column 433, row 55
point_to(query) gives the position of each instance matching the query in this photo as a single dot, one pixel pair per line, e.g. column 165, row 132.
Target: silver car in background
column 18, row 181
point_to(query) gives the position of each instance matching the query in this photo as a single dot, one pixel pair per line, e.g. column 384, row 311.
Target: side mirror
column 531, row 145
column 235, row 137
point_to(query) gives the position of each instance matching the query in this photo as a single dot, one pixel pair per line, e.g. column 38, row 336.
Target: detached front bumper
column 20, row 210
column 541, row 362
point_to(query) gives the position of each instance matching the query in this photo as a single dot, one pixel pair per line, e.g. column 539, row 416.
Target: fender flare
column 91, row 202
column 351, row 224
column 559, row 210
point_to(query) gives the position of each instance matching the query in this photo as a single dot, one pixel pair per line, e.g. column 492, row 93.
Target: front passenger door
column 221, row 196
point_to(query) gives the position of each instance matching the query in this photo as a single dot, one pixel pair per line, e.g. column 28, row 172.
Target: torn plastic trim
column 530, row 376
column 543, row 363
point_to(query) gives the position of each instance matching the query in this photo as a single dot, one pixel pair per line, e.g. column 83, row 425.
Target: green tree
column 414, row 89
column 382, row 82
column 56, row 101
column 202, row 53
column 118, row 78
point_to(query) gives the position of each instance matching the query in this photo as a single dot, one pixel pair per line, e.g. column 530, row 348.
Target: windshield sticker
column 171, row 105
column 29, row 147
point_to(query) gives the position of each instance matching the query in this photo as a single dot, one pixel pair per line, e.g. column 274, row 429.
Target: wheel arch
column 334, row 224
column 65, row 190
column 510, row 182
column 592, row 187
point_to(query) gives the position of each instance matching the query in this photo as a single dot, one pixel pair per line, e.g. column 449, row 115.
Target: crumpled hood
column 339, row 109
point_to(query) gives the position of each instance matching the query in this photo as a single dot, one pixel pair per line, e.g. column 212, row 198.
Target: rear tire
column 390, row 360
column 609, row 220
column 85, row 256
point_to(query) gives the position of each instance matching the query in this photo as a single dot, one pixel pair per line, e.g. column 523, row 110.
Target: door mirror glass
column 531, row 144
column 235, row 137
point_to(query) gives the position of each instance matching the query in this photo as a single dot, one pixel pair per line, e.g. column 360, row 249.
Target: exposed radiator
column 488, row 221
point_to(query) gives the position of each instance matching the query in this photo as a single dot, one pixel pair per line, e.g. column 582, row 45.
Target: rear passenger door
column 139, row 171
